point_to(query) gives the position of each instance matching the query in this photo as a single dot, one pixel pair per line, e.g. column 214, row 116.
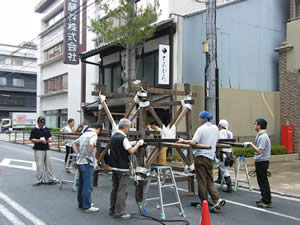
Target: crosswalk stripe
column 21, row 210
column 10, row 216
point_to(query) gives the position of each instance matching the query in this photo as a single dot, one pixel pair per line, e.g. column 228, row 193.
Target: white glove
column 133, row 143
column 246, row 144
column 141, row 142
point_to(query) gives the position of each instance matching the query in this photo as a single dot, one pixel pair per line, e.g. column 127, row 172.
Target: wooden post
column 139, row 193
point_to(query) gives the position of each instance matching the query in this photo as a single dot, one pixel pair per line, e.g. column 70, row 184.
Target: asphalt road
column 21, row 203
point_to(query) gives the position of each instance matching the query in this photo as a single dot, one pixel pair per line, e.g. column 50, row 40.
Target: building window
column 17, row 62
column 2, row 60
column 148, row 68
column 54, row 19
column 59, row 83
column 12, row 100
column 112, row 77
column 53, row 51
column 18, row 82
column 3, row 81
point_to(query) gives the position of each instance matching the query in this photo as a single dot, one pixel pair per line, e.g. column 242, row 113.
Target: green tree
column 134, row 27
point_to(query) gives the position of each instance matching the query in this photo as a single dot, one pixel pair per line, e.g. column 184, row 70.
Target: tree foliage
column 125, row 24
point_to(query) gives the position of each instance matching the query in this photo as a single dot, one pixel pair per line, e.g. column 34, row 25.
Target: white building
column 59, row 84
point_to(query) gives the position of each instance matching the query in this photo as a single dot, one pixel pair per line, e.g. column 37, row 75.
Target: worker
column 85, row 148
column 120, row 150
column 206, row 134
column 262, row 150
column 225, row 156
column 68, row 142
column 40, row 136
column 162, row 155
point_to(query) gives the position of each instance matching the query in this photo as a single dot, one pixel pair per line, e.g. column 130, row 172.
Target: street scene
column 149, row 112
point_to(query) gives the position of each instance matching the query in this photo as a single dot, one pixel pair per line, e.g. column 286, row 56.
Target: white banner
column 164, row 65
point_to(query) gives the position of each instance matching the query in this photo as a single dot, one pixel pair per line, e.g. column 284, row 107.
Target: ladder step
column 167, row 185
column 169, row 204
column 151, row 199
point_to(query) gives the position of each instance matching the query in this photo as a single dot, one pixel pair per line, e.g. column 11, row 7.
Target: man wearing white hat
column 225, row 155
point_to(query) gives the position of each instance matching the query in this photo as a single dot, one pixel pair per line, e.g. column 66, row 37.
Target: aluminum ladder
column 160, row 173
column 76, row 175
column 241, row 159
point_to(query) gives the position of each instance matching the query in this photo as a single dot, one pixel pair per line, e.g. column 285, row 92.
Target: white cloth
column 68, row 142
column 225, row 134
column 206, row 134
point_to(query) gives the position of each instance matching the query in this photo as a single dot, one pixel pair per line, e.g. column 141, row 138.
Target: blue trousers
column 85, row 186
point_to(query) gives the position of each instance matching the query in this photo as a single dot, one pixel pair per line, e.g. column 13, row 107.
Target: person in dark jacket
column 120, row 150
column 40, row 136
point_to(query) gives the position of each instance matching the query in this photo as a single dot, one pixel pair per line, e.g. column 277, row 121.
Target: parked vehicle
column 18, row 121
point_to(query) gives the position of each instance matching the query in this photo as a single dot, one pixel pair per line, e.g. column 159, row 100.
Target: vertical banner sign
column 71, row 32
column 164, row 65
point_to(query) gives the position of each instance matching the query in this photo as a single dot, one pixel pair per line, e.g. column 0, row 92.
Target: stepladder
column 163, row 174
column 239, row 161
column 71, row 165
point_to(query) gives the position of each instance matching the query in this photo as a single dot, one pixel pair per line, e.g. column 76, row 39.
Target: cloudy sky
column 18, row 21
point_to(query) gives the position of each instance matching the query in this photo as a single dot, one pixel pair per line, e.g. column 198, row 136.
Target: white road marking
column 255, row 208
column 21, row 210
column 7, row 162
column 10, row 216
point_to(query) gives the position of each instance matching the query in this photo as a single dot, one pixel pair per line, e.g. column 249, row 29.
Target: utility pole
column 211, row 68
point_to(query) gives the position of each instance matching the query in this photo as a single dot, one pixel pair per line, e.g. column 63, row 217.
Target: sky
column 18, row 21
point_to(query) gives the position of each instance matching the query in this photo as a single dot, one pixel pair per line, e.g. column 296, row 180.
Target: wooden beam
column 171, row 103
column 152, row 157
column 182, row 156
column 176, row 116
column 109, row 116
column 179, row 145
column 134, row 115
column 112, row 94
column 102, row 154
column 162, row 91
column 133, row 103
column 182, row 114
column 154, row 114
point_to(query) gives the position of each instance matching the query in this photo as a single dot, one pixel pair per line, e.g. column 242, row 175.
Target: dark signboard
column 71, row 32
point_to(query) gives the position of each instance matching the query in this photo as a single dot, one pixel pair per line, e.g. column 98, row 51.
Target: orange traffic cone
column 205, row 219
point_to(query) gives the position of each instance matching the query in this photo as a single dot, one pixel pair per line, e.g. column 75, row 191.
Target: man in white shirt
column 68, row 142
column 206, row 134
column 86, row 163
column 120, row 150
column 225, row 155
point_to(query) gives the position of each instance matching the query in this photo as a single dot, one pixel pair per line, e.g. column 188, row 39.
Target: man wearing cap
column 225, row 156
column 40, row 136
column 120, row 150
column 206, row 134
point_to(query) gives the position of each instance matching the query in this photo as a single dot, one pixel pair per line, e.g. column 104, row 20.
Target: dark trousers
column 119, row 192
column 204, row 174
column 262, row 180
column 69, row 150
column 85, row 186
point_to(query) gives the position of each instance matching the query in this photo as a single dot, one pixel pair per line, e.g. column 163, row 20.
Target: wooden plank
column 135, row 114
column 182, row 157
column 102, row 154
column 130, row 109
column 109, row 116
column 176, row 116
column 225, row 145
column 182, row 114
column 113, row 94
column 235, row 144
column 171, row 103
column 179, row 145
column 162, row 91
column 154, row 114
column 152, row 156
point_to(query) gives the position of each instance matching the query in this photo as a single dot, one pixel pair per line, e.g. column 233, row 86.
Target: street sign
column 164, row 65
